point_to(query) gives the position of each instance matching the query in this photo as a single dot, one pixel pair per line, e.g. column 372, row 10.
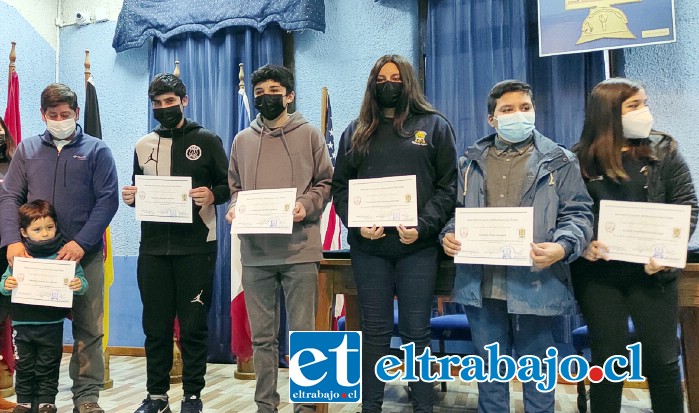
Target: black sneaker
column 192, row 404
column 153, row 406
column 21, row 409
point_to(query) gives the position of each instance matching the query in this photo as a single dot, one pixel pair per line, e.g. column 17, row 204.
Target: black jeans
column 412, row 279
column 175, row 285
column 610, row 292
column 39, row 351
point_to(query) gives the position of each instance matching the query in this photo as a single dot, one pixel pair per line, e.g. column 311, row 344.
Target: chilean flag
column 241, row 338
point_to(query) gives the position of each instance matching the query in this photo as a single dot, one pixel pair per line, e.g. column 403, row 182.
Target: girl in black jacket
column 623, row 159
column 397, row 133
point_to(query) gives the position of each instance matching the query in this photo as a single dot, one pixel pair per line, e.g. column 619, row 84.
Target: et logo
column 325, row 367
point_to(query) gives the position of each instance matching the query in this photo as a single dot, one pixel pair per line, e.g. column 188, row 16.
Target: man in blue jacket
column 514, row 306
column 76, row 173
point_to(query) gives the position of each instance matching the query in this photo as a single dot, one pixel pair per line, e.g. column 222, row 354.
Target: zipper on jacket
column 53, row 193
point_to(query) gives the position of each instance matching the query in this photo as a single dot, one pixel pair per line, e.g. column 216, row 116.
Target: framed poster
column 576, row 26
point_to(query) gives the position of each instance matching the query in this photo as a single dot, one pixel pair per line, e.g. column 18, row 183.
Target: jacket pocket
column 77, row 175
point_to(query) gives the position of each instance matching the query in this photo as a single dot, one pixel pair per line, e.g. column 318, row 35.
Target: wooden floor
column 224, row 394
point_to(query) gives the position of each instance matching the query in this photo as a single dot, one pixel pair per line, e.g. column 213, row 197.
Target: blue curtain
column 209, row 69
column 473, row 44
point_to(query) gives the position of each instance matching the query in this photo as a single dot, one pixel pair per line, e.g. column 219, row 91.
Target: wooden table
column 335, row 277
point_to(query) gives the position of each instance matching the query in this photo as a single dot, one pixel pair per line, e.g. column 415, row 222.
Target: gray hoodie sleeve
column 317, row 195
column 234, row 183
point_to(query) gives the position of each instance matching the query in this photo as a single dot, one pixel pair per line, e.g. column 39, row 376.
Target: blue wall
column 358, row 32
column 671, row 76
column 35, row 65
column 122, row 83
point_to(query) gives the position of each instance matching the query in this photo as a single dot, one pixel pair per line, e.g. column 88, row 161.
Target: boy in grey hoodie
column 280, row 150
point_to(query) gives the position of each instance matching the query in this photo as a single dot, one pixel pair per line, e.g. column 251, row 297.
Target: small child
column 38, row 330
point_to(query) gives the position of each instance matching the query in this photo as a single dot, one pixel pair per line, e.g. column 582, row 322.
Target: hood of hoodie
column 295, row 121
column 189, row 126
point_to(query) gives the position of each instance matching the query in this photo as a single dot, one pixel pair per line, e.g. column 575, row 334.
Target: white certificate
column 637, row 231
column 164, row 199
column 384, row 202
column 43, row 282
column 495, row 236
column 264, row 211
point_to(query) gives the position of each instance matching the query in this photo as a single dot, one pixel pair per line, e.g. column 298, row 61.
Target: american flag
column 330, row 228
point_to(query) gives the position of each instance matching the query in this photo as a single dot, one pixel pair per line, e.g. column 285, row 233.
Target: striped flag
column 92, row 125
column 12, row 118
column 241, row 338
column 14, row 127
column 330, row 227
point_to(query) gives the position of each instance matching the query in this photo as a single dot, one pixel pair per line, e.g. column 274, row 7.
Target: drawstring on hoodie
column 157, row 154
column 291, row 160
column 259, row 150
column 468, row 168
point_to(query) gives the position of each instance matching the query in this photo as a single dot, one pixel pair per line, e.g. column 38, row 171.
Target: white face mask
column 61, row 129
column 638, row 123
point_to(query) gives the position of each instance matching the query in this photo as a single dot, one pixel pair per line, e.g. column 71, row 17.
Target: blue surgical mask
column 515, row 127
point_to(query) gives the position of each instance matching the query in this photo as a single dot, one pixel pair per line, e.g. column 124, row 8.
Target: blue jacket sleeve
column 8, row 272
column 79, row 273
column 105, row 187
column 575, row 218
column 12, row 195
column 460, row 182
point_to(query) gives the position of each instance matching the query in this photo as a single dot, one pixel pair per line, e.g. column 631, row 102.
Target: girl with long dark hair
column 397, row 133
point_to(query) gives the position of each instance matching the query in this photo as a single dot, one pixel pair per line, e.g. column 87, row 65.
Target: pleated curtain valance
column 140, row 20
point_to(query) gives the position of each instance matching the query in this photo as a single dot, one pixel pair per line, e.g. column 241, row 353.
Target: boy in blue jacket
column 38, row 334
column 514, row 306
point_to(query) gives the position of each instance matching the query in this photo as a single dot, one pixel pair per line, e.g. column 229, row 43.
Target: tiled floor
column 224, row 394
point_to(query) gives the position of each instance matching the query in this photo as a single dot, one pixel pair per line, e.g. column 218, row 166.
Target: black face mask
column 270, row 106
column 168, row 117
column 388, row 93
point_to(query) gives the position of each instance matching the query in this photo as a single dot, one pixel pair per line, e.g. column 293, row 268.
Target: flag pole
column 323, row 110
column 88, row 73
column 177, row 366
column 13, row 57
column 108, row 383
column 6, row 380
column 244, row 369
column 241, row 77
